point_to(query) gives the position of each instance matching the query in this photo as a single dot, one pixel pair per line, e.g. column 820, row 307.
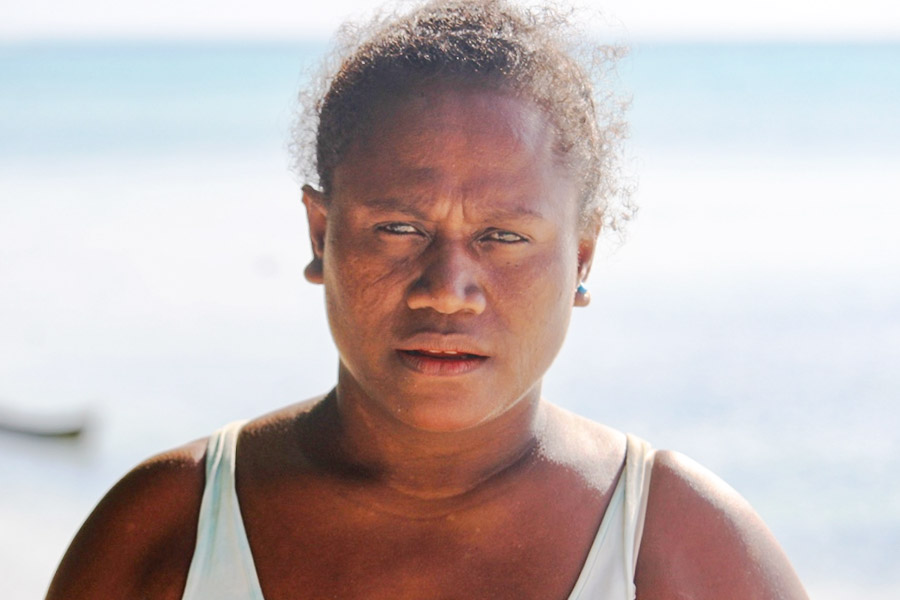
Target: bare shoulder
column 139, row 540
column 579, row 431
column 594, row 451
column 703, row 540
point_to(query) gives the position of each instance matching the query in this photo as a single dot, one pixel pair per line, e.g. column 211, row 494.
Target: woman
column 464, row 178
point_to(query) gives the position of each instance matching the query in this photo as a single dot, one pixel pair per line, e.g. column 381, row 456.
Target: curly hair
column 530, row 52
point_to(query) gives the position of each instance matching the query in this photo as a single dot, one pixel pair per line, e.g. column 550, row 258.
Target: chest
column 331, row 548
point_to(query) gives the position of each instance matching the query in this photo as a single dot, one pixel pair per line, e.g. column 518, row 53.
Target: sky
column 856, row 20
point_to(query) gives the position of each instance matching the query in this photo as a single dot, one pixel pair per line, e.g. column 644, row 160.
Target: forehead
column 461, row 142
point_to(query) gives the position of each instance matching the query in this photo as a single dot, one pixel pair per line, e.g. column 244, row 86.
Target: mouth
column 441, row 362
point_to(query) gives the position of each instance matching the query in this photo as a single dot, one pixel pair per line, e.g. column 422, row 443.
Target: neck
column 404, row 465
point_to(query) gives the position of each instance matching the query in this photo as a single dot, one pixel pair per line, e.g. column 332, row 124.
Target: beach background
column 152, row 243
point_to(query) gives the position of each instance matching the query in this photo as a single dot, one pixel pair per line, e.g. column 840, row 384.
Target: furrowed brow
column 517, row 213
column 395, row 205
column 416, row 210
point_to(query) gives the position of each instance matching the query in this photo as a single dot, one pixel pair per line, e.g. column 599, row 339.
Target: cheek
column 361, row 284
column 536, row 298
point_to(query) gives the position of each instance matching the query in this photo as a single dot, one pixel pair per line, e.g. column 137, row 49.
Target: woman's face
column 450, row 252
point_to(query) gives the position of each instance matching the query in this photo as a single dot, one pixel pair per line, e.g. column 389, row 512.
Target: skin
column 448, row 230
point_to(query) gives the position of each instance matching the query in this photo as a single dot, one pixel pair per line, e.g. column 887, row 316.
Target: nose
column 449, row 281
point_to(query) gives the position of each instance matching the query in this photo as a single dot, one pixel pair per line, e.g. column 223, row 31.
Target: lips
column 441, row 363
column 444, row 354
column 438, row 354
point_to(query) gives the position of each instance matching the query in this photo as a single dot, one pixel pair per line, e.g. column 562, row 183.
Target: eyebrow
column 395, row 205
column 413, row 208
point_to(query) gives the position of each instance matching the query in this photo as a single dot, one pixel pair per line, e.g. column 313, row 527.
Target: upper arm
column 138, row 541
column 703, row 540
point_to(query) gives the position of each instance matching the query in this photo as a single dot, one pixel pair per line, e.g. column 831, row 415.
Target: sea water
column 152, row 243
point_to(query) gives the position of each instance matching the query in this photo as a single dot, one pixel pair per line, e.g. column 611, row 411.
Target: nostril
column 449, row 282
column 446, row 296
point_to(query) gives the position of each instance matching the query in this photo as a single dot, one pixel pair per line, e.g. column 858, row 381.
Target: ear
column 586, row 247
column 317, row 215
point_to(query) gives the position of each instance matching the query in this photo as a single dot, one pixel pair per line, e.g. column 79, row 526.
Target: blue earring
column 581, row 289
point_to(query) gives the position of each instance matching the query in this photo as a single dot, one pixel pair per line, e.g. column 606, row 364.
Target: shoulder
column 593, row 450
column 703, row 540
column 139, row 540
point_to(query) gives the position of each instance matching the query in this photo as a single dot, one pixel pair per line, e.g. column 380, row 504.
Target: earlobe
column 582, row 296
column 586, row 249
column 317, row 215
column 313, row 271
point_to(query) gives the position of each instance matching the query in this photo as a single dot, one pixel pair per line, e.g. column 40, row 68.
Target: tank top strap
column 608, row 572
column 638, row 467
column 222, row 566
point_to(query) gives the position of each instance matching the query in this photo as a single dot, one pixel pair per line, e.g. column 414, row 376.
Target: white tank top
column 222, row 567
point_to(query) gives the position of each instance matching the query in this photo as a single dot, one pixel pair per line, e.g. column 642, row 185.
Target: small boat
column 67, row 423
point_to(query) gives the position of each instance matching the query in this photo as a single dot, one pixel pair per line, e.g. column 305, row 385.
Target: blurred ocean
column 152, row 244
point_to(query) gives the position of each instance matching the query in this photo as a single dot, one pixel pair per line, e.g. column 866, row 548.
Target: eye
column 504, row 237
column 398, row 229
